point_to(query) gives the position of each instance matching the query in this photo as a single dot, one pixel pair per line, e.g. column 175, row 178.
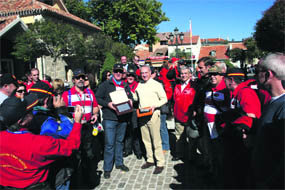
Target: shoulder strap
column 89, row 93
column 69, row 97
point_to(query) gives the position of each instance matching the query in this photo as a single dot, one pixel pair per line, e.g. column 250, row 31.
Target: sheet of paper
column 119, row 96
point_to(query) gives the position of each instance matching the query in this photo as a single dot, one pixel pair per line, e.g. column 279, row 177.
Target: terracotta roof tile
column 31, row 7
column 211, row 40
column 6, row 21
column 220, row 51
column 238, row 45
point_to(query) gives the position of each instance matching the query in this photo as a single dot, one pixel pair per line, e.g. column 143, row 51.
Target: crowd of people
column 53, row 137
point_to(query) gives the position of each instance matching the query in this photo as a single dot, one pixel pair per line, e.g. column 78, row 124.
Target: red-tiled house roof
column 213, row 40
column 6, row 21
column 34, row 7
column 220, row 51
column 238, row 45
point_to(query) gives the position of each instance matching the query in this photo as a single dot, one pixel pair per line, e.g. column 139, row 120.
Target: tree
column 238, row 54
column 252, row 50
column 127, row 21
column 270, row 29
column 49, row 38
column 79, row 8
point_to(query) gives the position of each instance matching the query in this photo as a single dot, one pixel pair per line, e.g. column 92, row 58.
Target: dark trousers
column 132, row 140
column 86, row 160
column 237, row 164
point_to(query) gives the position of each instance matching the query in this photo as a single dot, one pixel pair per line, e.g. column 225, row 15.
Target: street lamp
column 176, row 35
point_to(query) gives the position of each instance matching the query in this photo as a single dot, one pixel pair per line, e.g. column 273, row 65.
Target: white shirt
column 184, row 85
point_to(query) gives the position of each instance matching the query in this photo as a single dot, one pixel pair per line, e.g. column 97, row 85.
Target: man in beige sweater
column 150, row 93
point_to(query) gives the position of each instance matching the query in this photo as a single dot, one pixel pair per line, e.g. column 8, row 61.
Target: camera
column 71, row 109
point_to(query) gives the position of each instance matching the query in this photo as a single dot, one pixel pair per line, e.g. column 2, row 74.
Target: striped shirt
column 86, row 100
column 217, row 100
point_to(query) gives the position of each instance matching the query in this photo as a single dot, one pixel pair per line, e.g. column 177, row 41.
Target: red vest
column 182, row 101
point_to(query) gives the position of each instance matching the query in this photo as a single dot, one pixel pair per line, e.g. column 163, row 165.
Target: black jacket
column 103, row 98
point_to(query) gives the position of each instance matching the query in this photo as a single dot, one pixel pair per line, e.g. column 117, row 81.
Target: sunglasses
column 20, row 91
column 80, row 77
column 118, row 71
column 130, row 75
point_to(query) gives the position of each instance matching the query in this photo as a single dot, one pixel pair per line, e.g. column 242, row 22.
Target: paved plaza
column 137, row 178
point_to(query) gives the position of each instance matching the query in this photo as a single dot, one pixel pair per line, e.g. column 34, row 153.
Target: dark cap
column 41, row 89
column 78, row 72
column 131, row 70
column 118, row 66
column 8, row 78
column 31, row 101
column 235, row 72
column 11, row 110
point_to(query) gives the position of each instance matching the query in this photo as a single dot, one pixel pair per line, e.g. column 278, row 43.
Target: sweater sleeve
column 100, row 95
column 161, row 96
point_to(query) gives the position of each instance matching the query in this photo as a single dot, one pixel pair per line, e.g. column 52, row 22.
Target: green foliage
column 252, row 50
column 181, row 54
column 237, row 54
column 78, row 8
column 270, row 29
column 127, row 21
column 119, row 49
column 50, row 39
column 229, row 64
column 108, row 63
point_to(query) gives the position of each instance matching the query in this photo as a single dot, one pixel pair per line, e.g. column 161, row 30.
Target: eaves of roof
column 33, row 7
column 9, row 22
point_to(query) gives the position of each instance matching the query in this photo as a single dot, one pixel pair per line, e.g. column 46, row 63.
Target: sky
column 227, row 19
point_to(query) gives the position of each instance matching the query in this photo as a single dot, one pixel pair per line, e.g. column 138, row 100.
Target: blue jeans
column 114, row 136
column 164, row 132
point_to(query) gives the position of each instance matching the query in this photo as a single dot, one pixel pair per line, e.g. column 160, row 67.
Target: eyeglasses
column 118, row 71
column 20, row 91
column 80, row 77
column 130, row 75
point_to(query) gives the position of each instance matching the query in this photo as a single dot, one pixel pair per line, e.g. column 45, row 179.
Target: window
column 163, row 42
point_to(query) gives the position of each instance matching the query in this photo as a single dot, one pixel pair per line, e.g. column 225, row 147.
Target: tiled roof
column 34, row 7
column 220, row 51
column 164, row 37
column 143, row 54
column 238, row 45
column 211, row 40
column 6, row 21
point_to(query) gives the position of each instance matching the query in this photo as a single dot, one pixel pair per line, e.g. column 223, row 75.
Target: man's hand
column 152, row 108
column 58, row 101
column 78, row 114
column 111, row 106
column 93, row 118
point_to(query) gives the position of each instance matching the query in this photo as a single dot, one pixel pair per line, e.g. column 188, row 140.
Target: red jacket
column 166, row 83
column 24, row 157
column 245, row 98
column 182, row 101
